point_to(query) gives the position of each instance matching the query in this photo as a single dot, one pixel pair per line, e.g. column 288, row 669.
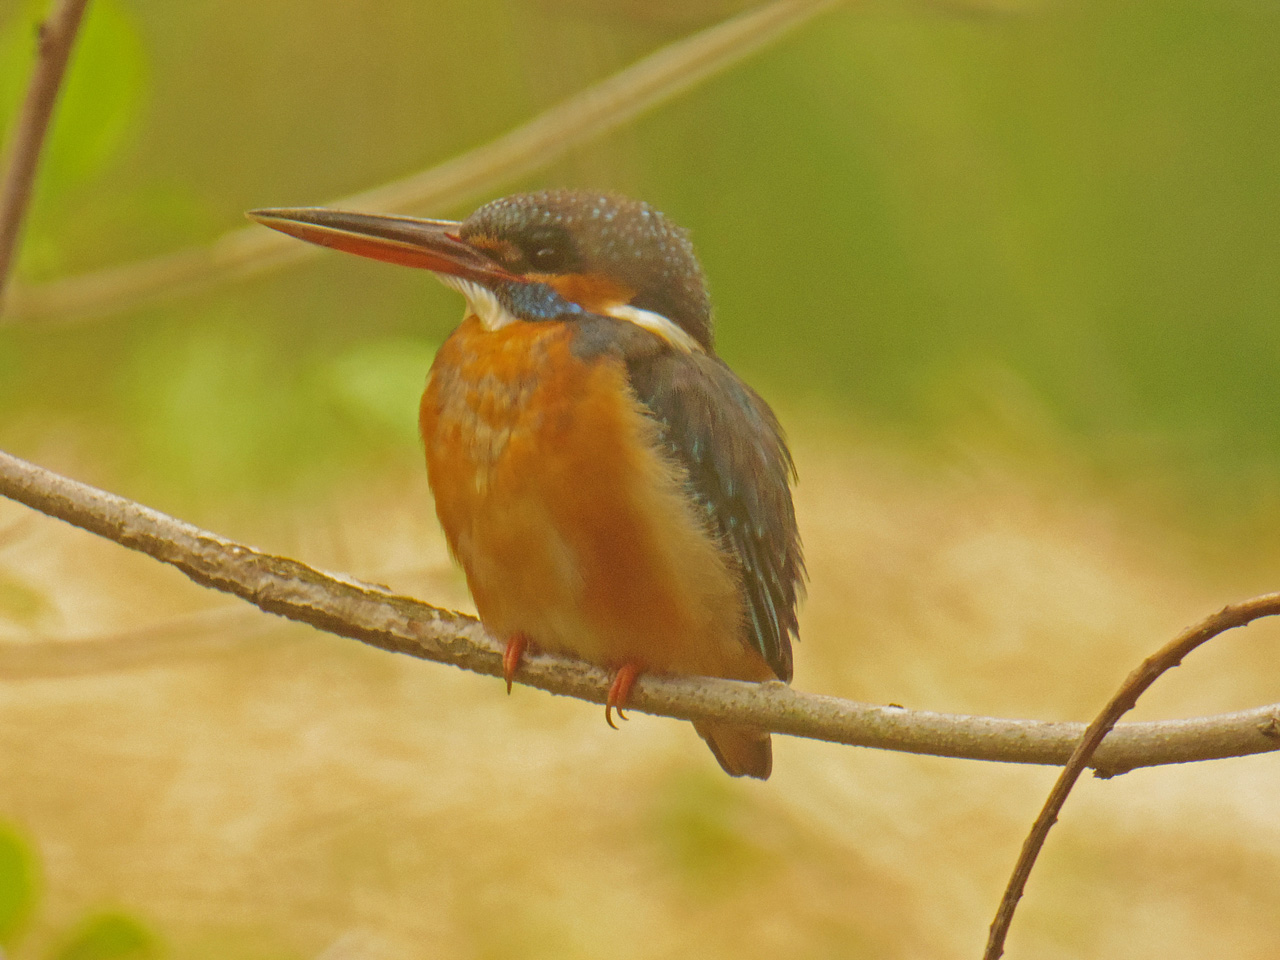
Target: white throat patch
column 480, row 301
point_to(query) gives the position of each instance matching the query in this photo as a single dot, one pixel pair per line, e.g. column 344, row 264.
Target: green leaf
column 101, row 96
column 705, row 828
column 378, row 383
column 110, row 936
column 19, row 883
column 20, row 603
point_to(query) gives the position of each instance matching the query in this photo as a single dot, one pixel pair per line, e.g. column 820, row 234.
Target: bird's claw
column 619, row 692
column 512, row 656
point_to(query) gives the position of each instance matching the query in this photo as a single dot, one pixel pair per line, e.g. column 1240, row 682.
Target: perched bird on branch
column 610, row 487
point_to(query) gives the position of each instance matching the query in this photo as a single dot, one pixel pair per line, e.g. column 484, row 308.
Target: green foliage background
column 1010, row 272
column 910, row 214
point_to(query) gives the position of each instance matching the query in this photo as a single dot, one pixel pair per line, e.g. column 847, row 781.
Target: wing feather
column 739, row 473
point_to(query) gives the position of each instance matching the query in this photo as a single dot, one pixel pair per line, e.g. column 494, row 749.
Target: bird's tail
column 742, row 751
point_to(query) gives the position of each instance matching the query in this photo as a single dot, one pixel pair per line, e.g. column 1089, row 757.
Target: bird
column 612, row 490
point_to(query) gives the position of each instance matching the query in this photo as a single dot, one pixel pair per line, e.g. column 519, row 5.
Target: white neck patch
column 494, row 316
column 656, row 323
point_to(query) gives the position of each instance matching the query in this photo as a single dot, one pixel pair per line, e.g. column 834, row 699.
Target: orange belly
column 572, row 529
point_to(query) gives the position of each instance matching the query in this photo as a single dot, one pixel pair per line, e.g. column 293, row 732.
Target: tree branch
column 593, row 112
column 56, row 36
column 378, row 617
column 1166, row 658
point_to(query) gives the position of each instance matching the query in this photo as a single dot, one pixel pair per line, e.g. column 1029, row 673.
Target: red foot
column 511, row 657
column 620, row 691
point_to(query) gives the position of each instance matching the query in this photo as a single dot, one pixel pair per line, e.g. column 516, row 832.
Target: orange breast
column 569, row 524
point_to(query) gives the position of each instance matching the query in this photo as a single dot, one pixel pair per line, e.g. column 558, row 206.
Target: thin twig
column 595, row 111
column 1167, row 657
column 56, row 36
column 382, row 619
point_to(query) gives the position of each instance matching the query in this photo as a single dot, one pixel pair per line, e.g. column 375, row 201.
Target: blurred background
column 1008, row 270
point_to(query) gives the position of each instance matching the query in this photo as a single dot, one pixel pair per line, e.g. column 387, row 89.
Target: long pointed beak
column 426, row 244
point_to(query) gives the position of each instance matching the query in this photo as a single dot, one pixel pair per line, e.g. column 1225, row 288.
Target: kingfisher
column 611, row 489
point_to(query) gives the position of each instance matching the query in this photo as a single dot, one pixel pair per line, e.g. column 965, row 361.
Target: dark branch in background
column 591, row 113
column 1166, row 658
column 56, row 36
column 386, row 620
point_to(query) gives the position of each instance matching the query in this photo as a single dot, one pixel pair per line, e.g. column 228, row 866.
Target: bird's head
column 533, row 257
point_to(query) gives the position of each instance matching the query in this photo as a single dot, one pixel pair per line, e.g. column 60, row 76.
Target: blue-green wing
column 740, row 475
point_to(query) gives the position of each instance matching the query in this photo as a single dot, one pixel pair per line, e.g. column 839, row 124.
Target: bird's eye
column 548, row 250
column 547, row 258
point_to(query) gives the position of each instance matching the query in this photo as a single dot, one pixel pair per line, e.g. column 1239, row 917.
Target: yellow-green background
column 1010, row 274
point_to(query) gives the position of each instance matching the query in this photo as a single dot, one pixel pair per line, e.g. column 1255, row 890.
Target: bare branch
column 591, row 113
column 56, row 37
column 382, row 619
column 1167, row 657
